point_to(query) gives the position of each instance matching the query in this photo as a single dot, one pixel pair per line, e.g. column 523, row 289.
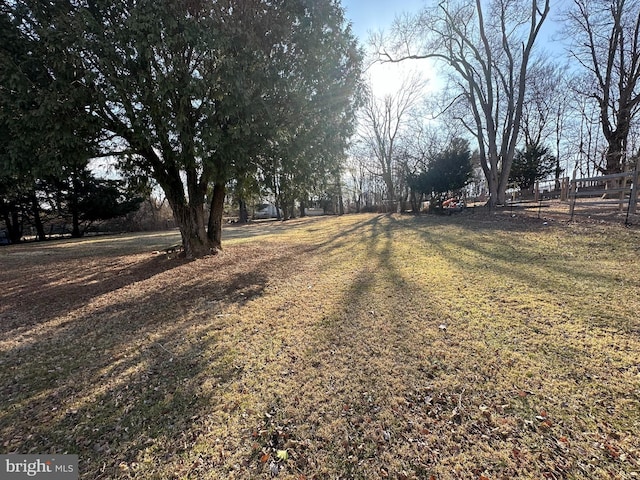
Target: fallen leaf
column 611, row 450
column 547, row 423
column 282, row 455
column 264, row 458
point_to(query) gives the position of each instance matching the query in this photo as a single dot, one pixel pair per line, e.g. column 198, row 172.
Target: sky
column 368, row 16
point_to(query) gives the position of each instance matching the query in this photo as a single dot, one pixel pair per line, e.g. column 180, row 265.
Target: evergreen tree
column 448, row 172
column 530, row 165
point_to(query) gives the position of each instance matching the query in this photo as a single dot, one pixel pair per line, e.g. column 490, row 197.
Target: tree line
column 534, row 103
column 206, row 99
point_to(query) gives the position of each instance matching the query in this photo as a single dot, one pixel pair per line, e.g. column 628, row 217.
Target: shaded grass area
column 354, row 347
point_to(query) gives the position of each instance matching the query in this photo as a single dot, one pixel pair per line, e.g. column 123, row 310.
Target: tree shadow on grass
column 115, row 413
column 33, row 294
column 518, row 260
column 369, row 354
column 400, row 395
column 130, row 382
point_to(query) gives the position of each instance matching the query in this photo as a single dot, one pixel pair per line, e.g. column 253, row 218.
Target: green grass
column 365, row 346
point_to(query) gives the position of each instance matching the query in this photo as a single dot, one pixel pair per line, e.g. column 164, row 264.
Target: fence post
column 564, row 189
column 623, row 186
column 573, row 189
column 633, row 194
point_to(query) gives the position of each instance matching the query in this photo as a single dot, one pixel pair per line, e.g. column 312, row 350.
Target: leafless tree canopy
column 487, row 49
column 606, row 43
column 384, row 122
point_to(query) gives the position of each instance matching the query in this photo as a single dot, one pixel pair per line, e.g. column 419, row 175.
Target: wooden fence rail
column 619, row 190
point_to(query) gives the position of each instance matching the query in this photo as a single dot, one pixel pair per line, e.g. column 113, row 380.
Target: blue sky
column 373, row 15
column 366, row 15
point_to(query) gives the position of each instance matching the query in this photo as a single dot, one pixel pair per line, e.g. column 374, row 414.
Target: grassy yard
column 358, row 347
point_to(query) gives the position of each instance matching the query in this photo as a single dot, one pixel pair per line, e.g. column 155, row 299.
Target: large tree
column 43, row 121
column 605, row 40
column 189, row 90
column 315, row 118
column 488, row 47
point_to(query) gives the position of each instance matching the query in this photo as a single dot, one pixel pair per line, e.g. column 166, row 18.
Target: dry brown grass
column 356, row 347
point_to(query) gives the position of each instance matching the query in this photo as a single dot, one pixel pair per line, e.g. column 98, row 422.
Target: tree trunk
column 189, row 218
column 214, row 230
column 190, row 221
column 16, row 233
column 188, row 213
column 292, row 210
column 5, row 208
column 413, row 201
column 75, row 213
column 390, row 192
column 12, row 221
column 502, row 188
column 615, row 155
column 243, row 213
column 492, row 182
column 37, row 220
